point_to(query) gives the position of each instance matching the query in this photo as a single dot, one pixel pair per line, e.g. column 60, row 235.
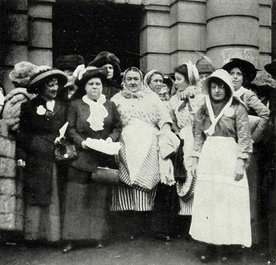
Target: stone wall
column 170, row 32
column 29, row 35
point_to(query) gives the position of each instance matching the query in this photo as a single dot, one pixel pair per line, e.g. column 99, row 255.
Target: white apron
column 221, row 212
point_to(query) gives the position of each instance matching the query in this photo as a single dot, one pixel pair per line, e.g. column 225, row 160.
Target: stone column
column 16, row 39
column 15, row 50
column 187, row 30
column 233, row 30
column 154, row 38
column 3, row 29
column 265, row 32
column 40, row 32
column 273, row 26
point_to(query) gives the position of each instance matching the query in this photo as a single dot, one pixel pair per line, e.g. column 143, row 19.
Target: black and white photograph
column 137, row 132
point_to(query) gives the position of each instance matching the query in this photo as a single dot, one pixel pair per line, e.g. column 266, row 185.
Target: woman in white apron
column 184, row 105
column 221, row 212
column 142, row 116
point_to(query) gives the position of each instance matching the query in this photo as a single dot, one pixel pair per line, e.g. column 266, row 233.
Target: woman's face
column 110, row 70
column 179, row 79
column 217, row 91
column 133, row 81
column 202, row 78
column 51, row 89
column 69, row 74
column 156, row 83
column 237, row 78
column 94, row 88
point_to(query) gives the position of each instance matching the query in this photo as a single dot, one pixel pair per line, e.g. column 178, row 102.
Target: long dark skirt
column 165, row 210
column 86, row 208
column 43, row 222
column 253, row 175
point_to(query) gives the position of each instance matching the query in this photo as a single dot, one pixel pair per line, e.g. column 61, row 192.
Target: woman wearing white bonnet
column 184, row 105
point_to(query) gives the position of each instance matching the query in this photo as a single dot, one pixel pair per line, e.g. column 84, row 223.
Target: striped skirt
column 139, row 156
column 127, row 198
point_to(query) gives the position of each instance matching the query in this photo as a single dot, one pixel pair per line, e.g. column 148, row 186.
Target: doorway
column 86, row 28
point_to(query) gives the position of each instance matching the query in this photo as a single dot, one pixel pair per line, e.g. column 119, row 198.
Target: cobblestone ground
column 145, row 251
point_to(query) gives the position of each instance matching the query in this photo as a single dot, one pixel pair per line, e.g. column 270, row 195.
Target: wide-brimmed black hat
column 271, row 67
column 106, row 57
column 248, row 69
column 91, row 72
column 43, row 74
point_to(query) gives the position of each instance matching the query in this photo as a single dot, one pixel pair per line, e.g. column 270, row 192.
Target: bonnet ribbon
column 211, row 130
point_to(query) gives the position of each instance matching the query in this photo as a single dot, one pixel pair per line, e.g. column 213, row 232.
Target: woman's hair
column 132, row 69
column 90, row 73
column 183, row 70
column 245, row 81
column 220, row 82
column 105, row 57
column 100, row 76
column 154, row 73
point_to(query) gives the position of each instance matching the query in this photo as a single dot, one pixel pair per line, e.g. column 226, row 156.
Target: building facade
column 168, row 31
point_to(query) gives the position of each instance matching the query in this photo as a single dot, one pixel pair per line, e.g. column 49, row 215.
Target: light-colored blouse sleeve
column 199, row 136
column 253, row 102
column 243, row 132
column 164, row 113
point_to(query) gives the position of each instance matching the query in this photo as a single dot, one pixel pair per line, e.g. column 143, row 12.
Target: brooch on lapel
column 229, row 112
column 40, row 110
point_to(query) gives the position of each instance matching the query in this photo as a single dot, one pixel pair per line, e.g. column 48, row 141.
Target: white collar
column 50, row 104
column 87, row 100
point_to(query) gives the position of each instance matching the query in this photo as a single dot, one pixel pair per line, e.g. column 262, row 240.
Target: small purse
column 105, row 175
column 65, row 151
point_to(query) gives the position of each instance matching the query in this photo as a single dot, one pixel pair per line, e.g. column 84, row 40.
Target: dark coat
column 63, row 95
column 79, row 130
column 36, row 146
column 110, row 89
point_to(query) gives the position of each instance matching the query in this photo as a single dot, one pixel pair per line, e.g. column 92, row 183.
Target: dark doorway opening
column 87, row 28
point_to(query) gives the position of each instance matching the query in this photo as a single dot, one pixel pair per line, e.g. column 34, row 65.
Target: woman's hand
column 109, row 140
column 21, row 163
column 83, row 145
column 59, row 140
column 166, row 126
column 239, row 171
column 189, row 92
column 193, row 168
column 117, row 159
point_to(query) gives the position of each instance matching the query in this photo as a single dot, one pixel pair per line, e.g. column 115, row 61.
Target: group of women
column 185, row 151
